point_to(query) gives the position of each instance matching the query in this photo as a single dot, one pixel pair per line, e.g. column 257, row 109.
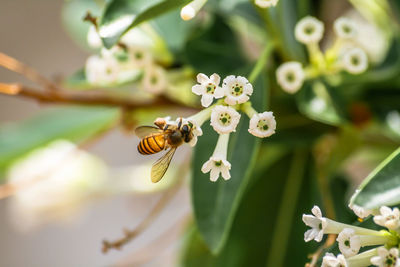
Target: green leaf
column 215, row 203
column 122, row 15
column 382, row 186
column 320, row 103
column 73, row 123
column 215, row 49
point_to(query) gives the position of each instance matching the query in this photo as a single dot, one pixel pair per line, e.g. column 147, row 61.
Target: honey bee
column 163, row 136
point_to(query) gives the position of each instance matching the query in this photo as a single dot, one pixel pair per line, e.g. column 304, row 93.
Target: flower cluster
column 233, row 96
column 352, row 238
column 343, row 55
column 133, row 59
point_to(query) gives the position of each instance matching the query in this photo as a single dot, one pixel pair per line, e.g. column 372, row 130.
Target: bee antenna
column 180, row 123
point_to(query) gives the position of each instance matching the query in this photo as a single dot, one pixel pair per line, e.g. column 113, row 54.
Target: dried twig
column 154, row 213
column 21, row 68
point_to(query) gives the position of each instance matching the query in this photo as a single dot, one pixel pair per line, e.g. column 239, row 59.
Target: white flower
column 349, row 242
column 60, row 178
column 309, row 30
column 321, row 225
column 236, row 89
column 360, row 211
column 190, row 10
column 93, row 38
column 386, row 258
column 139, row 57
column 330, row 260
column 266, row 3
column 389, row 218
column 224, row 119
column 196, row 130
column 355, row 61
column 262, row 124
column 290, row 76
column 102, row 70
column 345, row 28
column 154, row 80
column 217, row 164
column 208, row 88
column 317, row 224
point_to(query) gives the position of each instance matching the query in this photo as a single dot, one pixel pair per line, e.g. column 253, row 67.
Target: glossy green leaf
column 215, row 49
column 320, row 102
column 72, row 123
column 122, row 15
column 382, row 186
column 215, row 203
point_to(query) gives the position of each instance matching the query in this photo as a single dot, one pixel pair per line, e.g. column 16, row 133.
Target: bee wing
column 143, row 131
column 160, row 166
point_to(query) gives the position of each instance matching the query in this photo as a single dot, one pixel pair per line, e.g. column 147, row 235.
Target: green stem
column 261, row 62
column 281, row 233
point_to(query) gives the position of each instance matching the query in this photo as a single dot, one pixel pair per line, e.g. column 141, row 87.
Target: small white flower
column 236, row 89
column 154, row 80
column 386, row 258
column 139, row 57
column 208, row 88
column 345, row 28
column 360, row 211
column 317, row 224
column 355, row 61
column 217, row 164
column 330, row 260
column 93, row 38
column 389, row 218
column 101, row 70
column 262, row 124
column 309, row 30
column 266, row 3
column 349, row 242
column 190, row 10
column 196, row 130
column 224, row 119
column 290, row 76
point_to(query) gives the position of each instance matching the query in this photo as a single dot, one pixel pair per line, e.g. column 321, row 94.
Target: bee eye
column 185, row 128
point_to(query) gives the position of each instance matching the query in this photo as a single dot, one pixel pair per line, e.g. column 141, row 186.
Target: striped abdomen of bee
column 152, row 144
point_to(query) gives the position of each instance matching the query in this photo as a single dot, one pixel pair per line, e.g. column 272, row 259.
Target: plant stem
column 282, row 229
column 261, row 62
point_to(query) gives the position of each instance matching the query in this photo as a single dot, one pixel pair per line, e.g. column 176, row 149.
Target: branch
column 90, row 99
column 19, row 67
column 154, row 213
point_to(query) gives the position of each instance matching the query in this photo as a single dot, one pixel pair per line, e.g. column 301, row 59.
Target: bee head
column 186, row 130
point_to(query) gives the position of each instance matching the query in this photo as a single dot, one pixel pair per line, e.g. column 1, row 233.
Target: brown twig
column 21, row 68
column 88, row 17
column 315, row 256
column 154, row 213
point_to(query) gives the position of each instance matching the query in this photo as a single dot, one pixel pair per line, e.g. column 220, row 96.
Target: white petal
column 214, row 174
column 206, row 100
column 207, row 166
column 310, row 234
column 225, row 173
column 219, row 92
column 230, row 100
column 198, row 89
column 316, row 211
column 202, row 78
column 215, row 79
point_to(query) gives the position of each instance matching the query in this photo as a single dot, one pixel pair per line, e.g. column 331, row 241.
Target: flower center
column 320, row 226
column 390, row 260
column 290, row 77
column 138, row 55
column 153, row 80
column 355, row 61
column 225, row 118
column 309, row 30
column 262, row 125
column 347, row 243
column 346, row 29
column 237, row 89
column 218, row 163
column 210, row 88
